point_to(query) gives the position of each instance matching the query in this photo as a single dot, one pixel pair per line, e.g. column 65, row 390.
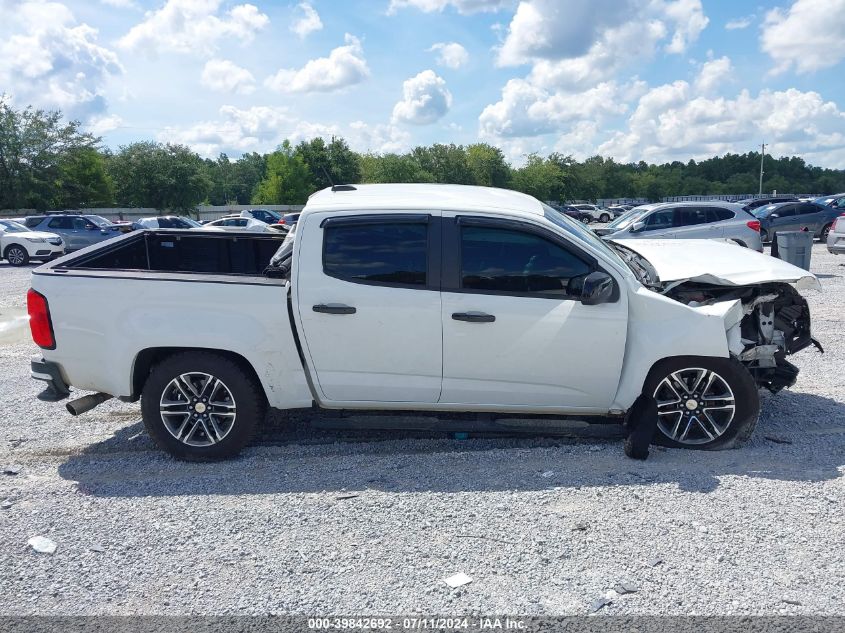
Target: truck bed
column 166, row 290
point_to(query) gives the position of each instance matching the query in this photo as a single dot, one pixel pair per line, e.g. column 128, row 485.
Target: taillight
column 754, row 225
column 39, row 320
column 282, row 221
column 836, row 221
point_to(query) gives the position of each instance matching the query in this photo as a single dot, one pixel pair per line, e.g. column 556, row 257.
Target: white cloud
column 715, row 73
column 808, row 37
column 222, row 75
column 450, row 54
column 186, row 26
column 380, row 138
column 99, row 125
column 308, row 22
column 740, row 23
column 585, row 32
column 120, row 4
column 671, row 122
column 464, row 7
column 345, row 66
column 48, row 60
column 263, row 128
column 425, row 99
column 528, row 110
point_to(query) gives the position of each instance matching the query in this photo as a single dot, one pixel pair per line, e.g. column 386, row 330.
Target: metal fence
column 733, row 197
column 201, row 212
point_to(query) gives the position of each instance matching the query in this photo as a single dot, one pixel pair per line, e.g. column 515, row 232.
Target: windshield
column 624, row 220
column 99, row 221
column 186, row 223
column 7, row 226
column 579, row 231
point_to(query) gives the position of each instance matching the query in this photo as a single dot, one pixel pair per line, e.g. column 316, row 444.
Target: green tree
column 487, row 165
column 287, row 179
column 161, row 176
column 540, row 178
column 32, row 145
column 82, row 180
column 335, row 159
column 446, row 163
column 392, row 168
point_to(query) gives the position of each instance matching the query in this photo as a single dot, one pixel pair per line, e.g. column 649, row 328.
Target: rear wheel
column 604, row 218
column 585, row 219
column 201, row 406
column 16, row 255
column 703, row 403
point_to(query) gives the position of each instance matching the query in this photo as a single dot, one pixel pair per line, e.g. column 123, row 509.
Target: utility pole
column 762, row 156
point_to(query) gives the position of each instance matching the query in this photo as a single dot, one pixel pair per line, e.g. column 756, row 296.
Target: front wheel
column 201, row 406
column 585, row 219
column 703, row 403
column 825, row 232
column 17, row 255
column 604, row 218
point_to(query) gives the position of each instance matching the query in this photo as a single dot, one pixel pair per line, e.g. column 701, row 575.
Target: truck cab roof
column 399, row 197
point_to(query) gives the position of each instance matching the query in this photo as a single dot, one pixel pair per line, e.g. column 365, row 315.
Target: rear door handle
column 473, row 317
column 334, row 308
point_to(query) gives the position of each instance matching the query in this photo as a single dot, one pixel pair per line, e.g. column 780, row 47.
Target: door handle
column 473, row 317
column 334, row 308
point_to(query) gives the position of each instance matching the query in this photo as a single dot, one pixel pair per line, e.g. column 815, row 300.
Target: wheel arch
column 148, row 358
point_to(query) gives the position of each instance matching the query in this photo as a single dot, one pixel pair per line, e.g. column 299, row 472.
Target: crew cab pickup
column 433, row 298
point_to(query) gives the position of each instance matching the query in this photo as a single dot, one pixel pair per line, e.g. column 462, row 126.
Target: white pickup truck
column 433, row 298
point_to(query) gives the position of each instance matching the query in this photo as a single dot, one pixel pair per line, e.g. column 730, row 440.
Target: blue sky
column 655, row 80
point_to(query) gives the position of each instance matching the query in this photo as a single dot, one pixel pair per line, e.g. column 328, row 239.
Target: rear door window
column 381, row 253
column 718, row 214
column 690, row 216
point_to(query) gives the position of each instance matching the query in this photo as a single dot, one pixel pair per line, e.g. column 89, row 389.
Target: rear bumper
column 836, row 243
column 50, row 373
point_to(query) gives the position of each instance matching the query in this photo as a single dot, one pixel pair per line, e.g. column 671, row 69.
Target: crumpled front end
column 764, row 324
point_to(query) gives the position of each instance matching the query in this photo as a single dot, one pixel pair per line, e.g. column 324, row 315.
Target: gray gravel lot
column 542, row 525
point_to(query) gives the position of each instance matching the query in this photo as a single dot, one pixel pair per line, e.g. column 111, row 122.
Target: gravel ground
column 315, row 522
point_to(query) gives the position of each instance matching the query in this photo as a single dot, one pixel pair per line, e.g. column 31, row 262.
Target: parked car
column 290, row 219
column 836, row 236
column 796, row 216
column 262, row 215
column 749, row 204
column 688, row 220
column 167, row 222
column 599, row 215
column 18, row 245
column 837, row 200
column 574, row 213
column 618, row 210
column 77, row 230
column 237, row 224
column 696, row 326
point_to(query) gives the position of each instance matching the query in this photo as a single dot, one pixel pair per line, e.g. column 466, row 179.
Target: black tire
column 16, row 255
column 746, row 400
column 825, row 231
column 740, row 243
column 604, row 217
column 247, row 401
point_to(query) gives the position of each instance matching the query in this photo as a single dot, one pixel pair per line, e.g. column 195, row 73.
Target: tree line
column 49, row 163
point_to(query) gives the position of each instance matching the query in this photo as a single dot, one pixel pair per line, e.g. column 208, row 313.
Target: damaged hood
column 717, row 262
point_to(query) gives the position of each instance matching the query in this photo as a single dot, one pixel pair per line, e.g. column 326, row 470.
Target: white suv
column 18, row 244
column 599, row 215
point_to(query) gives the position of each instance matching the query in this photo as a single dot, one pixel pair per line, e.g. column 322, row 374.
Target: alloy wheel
column 16, row 256
column 694, row 406
column 197, row 409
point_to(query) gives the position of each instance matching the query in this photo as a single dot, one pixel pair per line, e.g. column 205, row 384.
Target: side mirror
column 637, row 226
column 597, row 289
